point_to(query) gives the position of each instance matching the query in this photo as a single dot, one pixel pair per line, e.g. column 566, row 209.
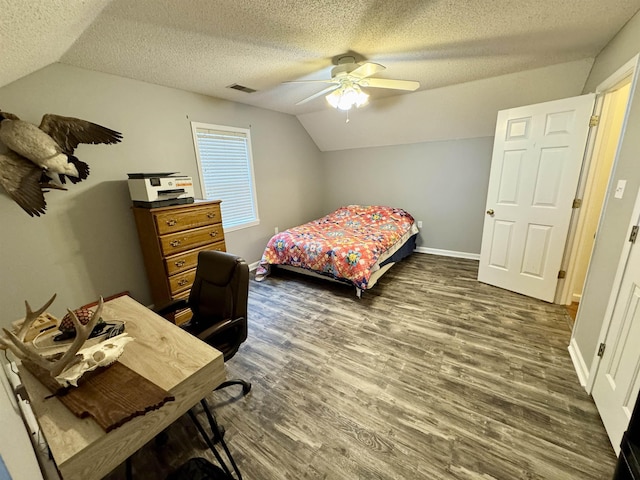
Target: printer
column 151, row 190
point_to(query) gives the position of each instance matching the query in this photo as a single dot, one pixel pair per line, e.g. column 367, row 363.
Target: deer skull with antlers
column 73, row 363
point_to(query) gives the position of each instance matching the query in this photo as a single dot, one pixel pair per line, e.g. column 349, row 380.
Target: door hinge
column 577, row 203
column 634, row 234
column 562, row 273
column 593, row 121
column 601, row 350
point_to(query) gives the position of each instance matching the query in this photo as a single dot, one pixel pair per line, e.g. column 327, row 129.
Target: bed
column 356, row 244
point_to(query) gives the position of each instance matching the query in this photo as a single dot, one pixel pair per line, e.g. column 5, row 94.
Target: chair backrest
column 220, row 292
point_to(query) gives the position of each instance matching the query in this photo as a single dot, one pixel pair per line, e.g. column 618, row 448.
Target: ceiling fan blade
column 366, row 70
column 330, row 80
column 410, row 85
column 319, row 94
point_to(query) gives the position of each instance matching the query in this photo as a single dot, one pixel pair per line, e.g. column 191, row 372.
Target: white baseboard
column 253, row 266
column 575, row 298
column 578, row 363
column 431, row 251
column 448, row 253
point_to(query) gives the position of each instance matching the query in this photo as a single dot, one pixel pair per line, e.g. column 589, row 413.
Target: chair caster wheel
column 216, row 439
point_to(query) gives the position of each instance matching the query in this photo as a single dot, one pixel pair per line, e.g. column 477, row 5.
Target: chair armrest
column 171, row 307
column 217, row 328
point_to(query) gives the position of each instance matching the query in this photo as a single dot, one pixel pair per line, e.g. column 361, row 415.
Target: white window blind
column 226, row 172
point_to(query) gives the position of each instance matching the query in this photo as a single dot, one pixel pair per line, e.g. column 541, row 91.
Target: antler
column 29, row 319
column 32, row 317
column 28, row 352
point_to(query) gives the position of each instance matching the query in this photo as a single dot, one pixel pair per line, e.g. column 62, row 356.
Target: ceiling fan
column 347, row 79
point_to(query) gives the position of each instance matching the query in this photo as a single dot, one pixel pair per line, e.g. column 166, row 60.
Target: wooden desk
column 163, row 353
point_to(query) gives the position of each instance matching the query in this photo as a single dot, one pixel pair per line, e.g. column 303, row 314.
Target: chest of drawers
column 171, row 238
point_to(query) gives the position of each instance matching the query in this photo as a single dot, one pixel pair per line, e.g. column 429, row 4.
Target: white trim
column 245, row 131
column 255, row 223
column 617, row 283
column 448, row 253
column 630, row 67
column 576, row 297
column 564, row 293
column 578, row 363
column 619, row 75
column 430, row 251
column 254, row 266
column 576, row 224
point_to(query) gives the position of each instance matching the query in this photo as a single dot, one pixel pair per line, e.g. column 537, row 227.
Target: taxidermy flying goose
column 46, row 151
column 50, row 146
column 21, row 179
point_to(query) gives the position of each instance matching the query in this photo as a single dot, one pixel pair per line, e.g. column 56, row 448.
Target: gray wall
column 617, row 212
column 443, row 184
column 86, row 244
column 430, row 151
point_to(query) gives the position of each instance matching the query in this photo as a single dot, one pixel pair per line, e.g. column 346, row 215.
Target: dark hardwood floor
column 431, row 375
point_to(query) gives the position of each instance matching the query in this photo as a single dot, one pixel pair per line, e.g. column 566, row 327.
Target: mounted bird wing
column 21, row 179
column 69, row 132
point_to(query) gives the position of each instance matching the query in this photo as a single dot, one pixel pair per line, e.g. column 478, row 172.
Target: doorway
column 613, row 110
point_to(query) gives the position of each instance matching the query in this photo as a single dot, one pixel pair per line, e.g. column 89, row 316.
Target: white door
column 537, row 156
column 617, row 382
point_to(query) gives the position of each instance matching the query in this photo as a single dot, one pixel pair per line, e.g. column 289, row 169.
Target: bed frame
column 405, row 247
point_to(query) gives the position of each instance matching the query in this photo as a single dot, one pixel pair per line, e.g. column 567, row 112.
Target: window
column 225, row 166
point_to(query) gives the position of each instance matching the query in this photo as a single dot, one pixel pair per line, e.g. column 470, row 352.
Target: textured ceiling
column 205, row 45
column 34, row 34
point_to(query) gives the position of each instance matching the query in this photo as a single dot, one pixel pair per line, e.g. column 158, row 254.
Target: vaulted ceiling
column 204, row 46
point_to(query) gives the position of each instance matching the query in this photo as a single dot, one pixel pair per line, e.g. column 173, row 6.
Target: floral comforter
column 346, row 244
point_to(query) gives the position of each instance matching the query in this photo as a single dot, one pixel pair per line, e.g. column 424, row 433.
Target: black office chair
column 218, row 301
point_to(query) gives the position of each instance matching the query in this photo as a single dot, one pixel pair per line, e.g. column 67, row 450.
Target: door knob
column 490, row 212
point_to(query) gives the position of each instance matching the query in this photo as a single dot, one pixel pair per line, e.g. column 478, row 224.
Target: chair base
column 246, row 386
column 216, row 434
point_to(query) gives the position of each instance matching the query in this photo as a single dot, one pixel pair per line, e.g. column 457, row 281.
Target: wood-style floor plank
column 431, row 375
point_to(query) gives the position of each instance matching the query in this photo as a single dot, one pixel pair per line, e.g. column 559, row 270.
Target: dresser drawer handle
column 180, row 263
column 174, row 243
column 183, row 281
column 213, row 234
column 211, row 215
column 171, row 222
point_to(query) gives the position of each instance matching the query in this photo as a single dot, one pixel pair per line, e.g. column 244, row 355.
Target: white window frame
column 212, row 196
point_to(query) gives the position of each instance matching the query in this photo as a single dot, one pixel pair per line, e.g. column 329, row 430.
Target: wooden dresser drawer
column 176, row 221
column 182, row 316
column 182, row 281
column 170, row 239
column 188, row 260
column 198, row 237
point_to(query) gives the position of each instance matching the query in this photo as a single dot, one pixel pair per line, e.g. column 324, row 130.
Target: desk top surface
column 161, row 352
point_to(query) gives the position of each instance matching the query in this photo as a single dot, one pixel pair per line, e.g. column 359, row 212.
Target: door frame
column 615, row 293
column 587, row 373
column 629, row 69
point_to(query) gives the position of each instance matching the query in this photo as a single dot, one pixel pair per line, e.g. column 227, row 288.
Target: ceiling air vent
column 242, row 88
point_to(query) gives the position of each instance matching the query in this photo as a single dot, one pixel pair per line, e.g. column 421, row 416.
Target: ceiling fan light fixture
column 347, row 96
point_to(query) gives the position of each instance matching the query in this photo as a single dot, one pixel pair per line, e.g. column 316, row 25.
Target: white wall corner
column 448, row 253
column 578, row 363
